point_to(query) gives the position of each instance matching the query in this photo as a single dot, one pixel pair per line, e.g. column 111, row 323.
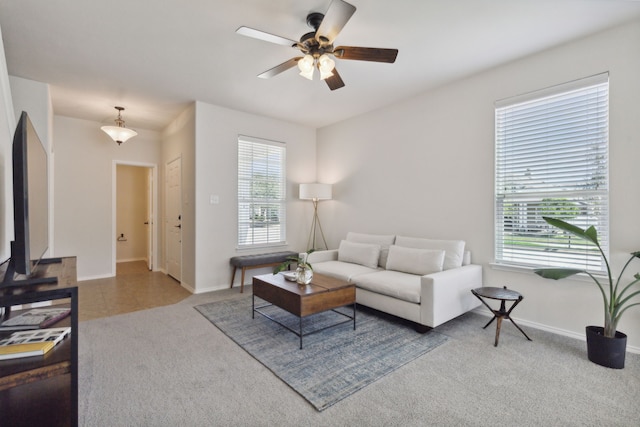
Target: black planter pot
column 605, row 351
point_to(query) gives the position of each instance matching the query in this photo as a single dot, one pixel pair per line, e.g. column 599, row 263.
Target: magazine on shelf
column 38, row 318
column 31, row 343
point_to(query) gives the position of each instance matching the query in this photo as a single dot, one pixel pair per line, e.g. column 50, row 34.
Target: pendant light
column 119, row 133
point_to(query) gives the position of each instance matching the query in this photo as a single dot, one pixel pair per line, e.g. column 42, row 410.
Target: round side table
column 503, row 295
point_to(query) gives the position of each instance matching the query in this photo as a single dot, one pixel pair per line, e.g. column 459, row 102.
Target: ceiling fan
column 317, row 46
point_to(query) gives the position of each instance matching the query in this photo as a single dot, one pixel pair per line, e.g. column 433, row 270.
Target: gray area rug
column 335, row 362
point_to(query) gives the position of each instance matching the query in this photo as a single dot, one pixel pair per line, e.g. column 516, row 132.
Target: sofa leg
column 422, row 329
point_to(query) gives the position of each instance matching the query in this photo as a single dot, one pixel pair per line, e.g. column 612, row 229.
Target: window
column 261, row 192
column 552, row 160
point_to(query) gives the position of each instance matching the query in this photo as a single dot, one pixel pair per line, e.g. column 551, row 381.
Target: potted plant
column 304, row 271
column 605, row 345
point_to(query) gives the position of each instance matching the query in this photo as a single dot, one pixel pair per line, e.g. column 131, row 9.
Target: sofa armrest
column 447, row 294
column 322, row 256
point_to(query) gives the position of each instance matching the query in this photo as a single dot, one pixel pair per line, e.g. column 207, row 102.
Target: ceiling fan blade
column 366, row 54
column 334, row 82
column 261, row 35
column 337, row 15
column 280, row 68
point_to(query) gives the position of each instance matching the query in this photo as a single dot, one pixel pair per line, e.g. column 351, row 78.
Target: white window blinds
column 552, row 160
column 261, row 192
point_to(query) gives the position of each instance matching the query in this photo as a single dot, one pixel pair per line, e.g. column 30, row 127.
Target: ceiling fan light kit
column 317, row 46
column 306, row 65
column 119, row 133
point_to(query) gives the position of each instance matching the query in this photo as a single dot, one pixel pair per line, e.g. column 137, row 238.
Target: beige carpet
column 168, row 366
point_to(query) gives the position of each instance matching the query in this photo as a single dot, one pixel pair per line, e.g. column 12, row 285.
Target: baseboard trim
column 131, row 260
column 213, row 288
column 558, row 331
column 101, row 276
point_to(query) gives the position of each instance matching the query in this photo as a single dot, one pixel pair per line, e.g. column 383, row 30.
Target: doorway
column 135, row 207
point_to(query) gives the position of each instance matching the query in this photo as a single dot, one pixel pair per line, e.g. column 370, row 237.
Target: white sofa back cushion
column 415, row 261
column 454, row 249
column 359, row 253
column 384, row 241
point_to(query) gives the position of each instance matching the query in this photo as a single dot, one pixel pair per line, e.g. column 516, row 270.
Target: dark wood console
column 43, row 390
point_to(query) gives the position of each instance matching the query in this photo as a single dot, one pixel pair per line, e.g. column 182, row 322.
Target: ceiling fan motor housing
column 308, row 42
column 314, row 20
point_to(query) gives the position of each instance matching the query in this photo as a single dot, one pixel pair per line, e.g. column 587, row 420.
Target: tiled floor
column 134, row 288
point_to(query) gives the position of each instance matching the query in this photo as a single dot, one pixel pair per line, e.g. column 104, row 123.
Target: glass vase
column 304, row 275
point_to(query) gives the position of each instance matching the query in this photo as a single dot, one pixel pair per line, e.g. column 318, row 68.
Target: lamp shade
column 315, row 191
column 119, row 134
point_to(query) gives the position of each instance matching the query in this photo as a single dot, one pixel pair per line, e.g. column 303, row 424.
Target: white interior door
column 174, row 219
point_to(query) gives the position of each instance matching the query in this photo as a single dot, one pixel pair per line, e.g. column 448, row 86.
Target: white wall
column 84, row 202
column 35, row 98
column 425, row 167
column 7, row 127
column 217, row 131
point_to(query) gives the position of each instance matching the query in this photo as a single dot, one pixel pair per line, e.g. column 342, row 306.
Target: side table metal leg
column 499, row 324
column 516, row 325
column 300, row 333
column 354, row 316
column 508, row 316
column 490, row 321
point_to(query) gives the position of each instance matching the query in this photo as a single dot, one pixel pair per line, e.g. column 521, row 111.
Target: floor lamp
column 315, row 193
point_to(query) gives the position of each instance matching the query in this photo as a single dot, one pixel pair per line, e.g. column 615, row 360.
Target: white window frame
column 261, row 193
column 552, row 159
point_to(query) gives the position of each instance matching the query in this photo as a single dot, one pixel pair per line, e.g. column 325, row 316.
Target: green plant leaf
column 614, row 302
column 590, row 234
column 282, row 267
column 556, row 273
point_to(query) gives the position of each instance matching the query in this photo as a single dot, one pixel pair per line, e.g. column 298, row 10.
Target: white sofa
column 425, row 281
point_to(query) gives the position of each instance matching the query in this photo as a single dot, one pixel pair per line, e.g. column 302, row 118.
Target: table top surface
column 319, row 284
column 497, row 293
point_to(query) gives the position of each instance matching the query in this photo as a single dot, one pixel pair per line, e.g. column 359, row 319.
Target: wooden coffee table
column 322, row 294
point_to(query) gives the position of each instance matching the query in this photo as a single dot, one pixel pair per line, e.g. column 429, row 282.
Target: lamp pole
column 315, row 223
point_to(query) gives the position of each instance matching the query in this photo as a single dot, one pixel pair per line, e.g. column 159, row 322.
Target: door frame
column 154, row 210
column 165, row 219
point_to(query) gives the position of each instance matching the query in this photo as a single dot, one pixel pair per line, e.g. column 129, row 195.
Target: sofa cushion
column 359, row 253
column 377, row 239
column 341, row 270
column 415, row 261
column 395, row 284
column 454, row 249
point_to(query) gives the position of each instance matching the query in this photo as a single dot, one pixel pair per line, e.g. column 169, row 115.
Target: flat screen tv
column 30, row 203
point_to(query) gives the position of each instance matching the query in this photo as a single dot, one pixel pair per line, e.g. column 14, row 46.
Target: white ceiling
column 154, row 57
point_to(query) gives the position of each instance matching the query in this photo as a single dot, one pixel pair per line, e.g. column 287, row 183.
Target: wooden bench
column 246, row 262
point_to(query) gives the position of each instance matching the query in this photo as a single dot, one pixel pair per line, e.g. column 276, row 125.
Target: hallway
column 134, row 288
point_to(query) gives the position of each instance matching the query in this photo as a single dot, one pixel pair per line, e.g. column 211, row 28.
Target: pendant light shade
column 119, row 133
